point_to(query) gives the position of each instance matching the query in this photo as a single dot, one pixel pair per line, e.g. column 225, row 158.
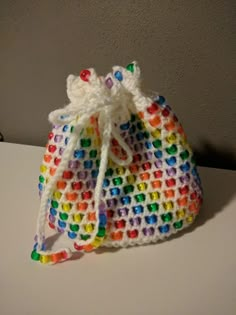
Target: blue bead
column 164, row 228
column 125, row 126
column 102, row 219
column 118, row 75
column 88, row 164
column 152, row 219
column 65, row 128
column 72, row 235
column 62, row 224
column 67, row 140
column 148, row 145
column 185, row 167
column 161, row 100
column 132, row 129
column 194, row 172
column 115, row 191
column 158, row 154
column 138, row 209
column 140, row 136
column 171, row 161
column 53, row 211
column 40, row 186
column 79, row 154
column 94, row 173
column 106, row 183
column 126, row 200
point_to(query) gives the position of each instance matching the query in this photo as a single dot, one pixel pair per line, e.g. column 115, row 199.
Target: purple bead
column 109, row 83
column 73, row 164
column 123, row 212
column 138, row 146
column 82, row 175
column 185, row 178
column 91, row 184
column 171, row 171
column 60, row 230
column 61, row 150
column 52, row 218
column 129, row 140
column 135, row 221
column 102, row 207
column 148, row 155
column 56, row 126
column 111, row 202
column 158, row 163
column 58, row 138
column 148, row 231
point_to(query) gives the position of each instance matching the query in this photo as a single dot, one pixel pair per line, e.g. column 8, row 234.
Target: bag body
column 144, row 189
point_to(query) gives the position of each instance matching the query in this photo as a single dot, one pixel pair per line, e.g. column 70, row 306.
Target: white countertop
column 193, row 273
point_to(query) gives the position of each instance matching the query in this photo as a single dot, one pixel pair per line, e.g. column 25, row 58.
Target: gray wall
column 186, row 49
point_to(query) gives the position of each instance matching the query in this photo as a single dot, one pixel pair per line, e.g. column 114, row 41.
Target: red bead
column 132, row 234
column 76, row 185
column 110, row 213
column 50, row 135
column 77, row 247
column 120, row 224
column 158, row 174
column 67, row 174
column 114, row 142
column 184, row 190
column 137, row 158
column 87, row 195
column 52, row 148
column 152, row 109
column 165, row 112
column 52, row 226
column 170, row 182
column 193, row 195
column 146, row 166
column 84, row 75
column 57, row 161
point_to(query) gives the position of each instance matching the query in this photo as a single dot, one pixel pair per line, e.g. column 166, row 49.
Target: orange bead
column 47, row 158
column 141, row 114
column 61, row 185
column 88, row 248
column 169, row 193
column 182, row 201
column 133, row 168
column 71, row 196
column 52, row 171
column 154, row 122
column 82, row 206
column 156, row 183
column 56, row 257
column 116, row 236
column 92, row 216
column 193, row 207
column 170, row 125
column 144, row 176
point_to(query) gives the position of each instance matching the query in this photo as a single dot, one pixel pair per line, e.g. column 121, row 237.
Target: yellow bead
column 97, row 142
column 183, row 141
column 171, row 138
column 131, row 179
column 90, row 131
column 47, row 180
column 142, row 186
column 57, row 195
column 97, row 241
column 180, row 214
column 43, row 168
column 111, row 163
column 77, row 218
column 120, row 170
column 154, row 195
column 89, row 227
column 156, row 133
column 168, row 205
column 44, row 259
column 66, row 206
column 189, row 219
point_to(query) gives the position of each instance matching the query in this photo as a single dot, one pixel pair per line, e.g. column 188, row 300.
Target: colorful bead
column 142, row 186
column 130, row 67
column 117, row 181
column 114, row 191
column 164, row 228
column 152, row 108
column 68, row 174
column 109, row 83
column 135, row 221
column 157, row 143
column 72, row 235
column 138, row 209
column 152, row 219
column 172, row 149
column 63, row 216
column 77, row 217
column 148, row 231
column 79, row 154
column 178, row 225
column 52, row 148
column 128, row 189
column 84, row 75
column 118, row 75
column 167, row 217
column 126, row 200
column 58, row 138
column 168, row 205
column 140, row 197
column 131, row 179
column 120, row 224
column 153, row 207
column 154, row 195
column 122, row 212
column 161, row 100
column 180, row 214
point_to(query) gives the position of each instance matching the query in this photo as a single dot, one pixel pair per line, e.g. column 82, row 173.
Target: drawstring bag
column 117, row 170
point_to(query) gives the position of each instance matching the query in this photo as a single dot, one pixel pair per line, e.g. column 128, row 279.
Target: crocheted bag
column 117, row 170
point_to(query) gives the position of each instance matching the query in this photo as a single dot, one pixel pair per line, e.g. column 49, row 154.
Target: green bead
column 140, row 125
column 41, row 179
column 63, row 216
column 146, row 134
column 72, row 129
column 98, row 163
column 157, row 143
column 172, row 150
column 85, row 143
column 130, row 67
column 117, row 181
column 74, row 227
column 35, row 255
column 184, row 155
column 140, row 197
column 167, row 217
column 54, row 204
column 193, row 160
column 101, row 232
column 178, row 224
column 153, row 207
column 93, row 153
column 133, row 118
column 109, row 172
column 84, row 237
column 128, row 189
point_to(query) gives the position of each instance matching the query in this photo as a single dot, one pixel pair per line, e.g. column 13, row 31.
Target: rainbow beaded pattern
column 159, row 193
